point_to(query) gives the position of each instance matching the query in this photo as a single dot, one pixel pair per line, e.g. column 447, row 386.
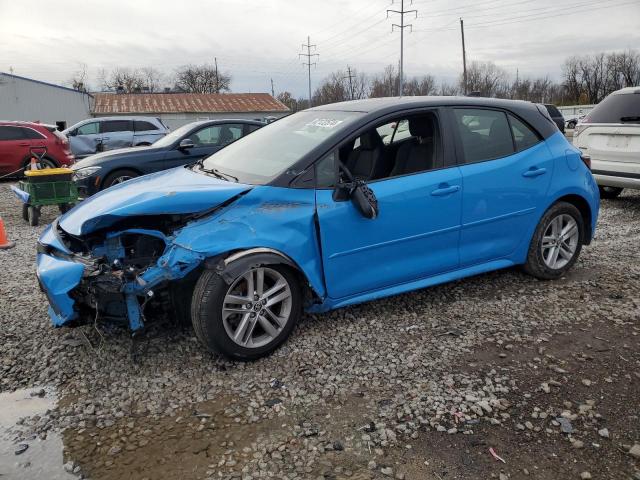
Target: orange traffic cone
column 4, row 241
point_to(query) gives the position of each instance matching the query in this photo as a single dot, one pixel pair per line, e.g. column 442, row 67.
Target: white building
column 177, row 109
column 35, row 101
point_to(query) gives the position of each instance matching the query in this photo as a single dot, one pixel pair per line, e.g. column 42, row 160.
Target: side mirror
column 365, row 200
column 361, row 196
column 186, row 144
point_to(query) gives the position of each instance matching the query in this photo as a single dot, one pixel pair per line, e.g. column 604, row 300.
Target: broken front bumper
column 81, row 287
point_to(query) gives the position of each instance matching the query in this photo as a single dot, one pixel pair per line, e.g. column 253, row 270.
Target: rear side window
column 253, row 128
column 485, row 134
column 11, row 133
column 31, row 134
column 553, row 111
column 621, row 108
column 142, row 126
column 116, row 126
column 523, row 136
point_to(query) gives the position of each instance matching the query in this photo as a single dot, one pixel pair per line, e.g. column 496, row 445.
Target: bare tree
column 202, row 79
column 487, row 79
column 123, row 79
column 386, row 84
column 425, row 85
column 447, row 89
column 333, row 88
column 79, row 79
column 153, row 79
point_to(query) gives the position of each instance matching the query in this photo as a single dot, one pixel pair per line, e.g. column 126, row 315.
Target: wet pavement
column 42, row 458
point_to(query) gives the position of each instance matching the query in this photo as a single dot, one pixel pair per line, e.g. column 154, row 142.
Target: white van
column 610, row 135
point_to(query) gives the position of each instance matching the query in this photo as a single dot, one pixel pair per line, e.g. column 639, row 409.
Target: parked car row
column 110, row 133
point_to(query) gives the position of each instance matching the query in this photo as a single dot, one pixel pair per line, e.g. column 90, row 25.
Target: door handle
column 104, row 138
column 445, row 189
column 534, row 172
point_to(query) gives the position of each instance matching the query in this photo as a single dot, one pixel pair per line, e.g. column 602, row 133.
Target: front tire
column 119, row 176
column 556, row 242
column 250, row 317
column 609, row 192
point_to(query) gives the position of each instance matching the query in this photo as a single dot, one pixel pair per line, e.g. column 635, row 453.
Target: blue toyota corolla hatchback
column 328, row 207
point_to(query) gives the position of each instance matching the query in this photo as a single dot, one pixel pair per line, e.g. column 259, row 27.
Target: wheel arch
column 230, row 264
column 585, row 210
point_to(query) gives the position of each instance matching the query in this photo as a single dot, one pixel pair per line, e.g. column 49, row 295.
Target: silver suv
column 109, row 133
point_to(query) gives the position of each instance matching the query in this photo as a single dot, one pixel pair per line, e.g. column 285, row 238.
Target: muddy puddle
column 37, row 458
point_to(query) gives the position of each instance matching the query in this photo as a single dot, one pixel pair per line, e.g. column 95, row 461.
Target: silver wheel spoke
column 267, row 326
column 569, row 230
column 278, row 298
column 565, row 252
column 235, row 299
column 547, row 242
column 250, row 283
column 278, row 320
column 239, row 335
column 260, row 281
column 559, row 241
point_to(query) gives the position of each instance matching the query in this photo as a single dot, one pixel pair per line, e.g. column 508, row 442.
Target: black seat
column 417, row 154
column 366, row 162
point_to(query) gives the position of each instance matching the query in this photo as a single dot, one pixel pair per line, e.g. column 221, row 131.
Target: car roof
column 627, row 90
column 41, row 127
column 223, row 120
column 370, row 105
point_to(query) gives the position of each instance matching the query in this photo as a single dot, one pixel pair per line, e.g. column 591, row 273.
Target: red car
column 19, row 139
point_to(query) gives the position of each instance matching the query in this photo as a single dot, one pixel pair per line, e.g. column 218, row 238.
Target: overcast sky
column 256, row 40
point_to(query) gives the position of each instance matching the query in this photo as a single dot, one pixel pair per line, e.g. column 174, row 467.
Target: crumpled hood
column 175, row 191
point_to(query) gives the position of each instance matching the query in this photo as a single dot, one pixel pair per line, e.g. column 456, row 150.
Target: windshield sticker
column 324, row 123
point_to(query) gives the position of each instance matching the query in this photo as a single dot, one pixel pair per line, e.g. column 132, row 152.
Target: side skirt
column 331, row 303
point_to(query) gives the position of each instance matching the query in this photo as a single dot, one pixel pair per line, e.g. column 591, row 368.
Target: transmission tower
column 350, row 76
column 402, row 12
column 308, row 63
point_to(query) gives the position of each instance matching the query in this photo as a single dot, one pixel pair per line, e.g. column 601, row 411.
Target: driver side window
column 404, row 146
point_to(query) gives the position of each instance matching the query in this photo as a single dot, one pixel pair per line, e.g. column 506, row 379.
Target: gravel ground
column 421, row 385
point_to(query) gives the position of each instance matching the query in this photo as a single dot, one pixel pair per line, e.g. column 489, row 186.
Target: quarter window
column 523, row 136
column 32, row 134
column 485, row 134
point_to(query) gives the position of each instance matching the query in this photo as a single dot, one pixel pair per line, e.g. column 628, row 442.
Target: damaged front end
column 117, row 276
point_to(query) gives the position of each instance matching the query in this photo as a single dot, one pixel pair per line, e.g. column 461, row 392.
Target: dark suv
column 556, row 116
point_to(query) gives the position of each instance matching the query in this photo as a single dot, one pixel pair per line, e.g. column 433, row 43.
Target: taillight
column 586, row 159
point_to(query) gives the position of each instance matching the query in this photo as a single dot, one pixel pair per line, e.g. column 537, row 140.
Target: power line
column 308, row 63
column 402, row 12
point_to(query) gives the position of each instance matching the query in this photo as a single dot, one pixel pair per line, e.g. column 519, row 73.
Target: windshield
column 266, row 153
column 174, row 136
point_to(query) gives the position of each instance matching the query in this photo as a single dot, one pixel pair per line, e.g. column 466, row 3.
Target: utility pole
column 402, row 12
column 273, row 92
column 464, row 58
column 308, row 63
column 350, row 76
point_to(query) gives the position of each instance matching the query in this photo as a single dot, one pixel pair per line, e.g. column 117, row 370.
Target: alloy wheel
column 257, row 307
column 560, row 241
column 121, row 179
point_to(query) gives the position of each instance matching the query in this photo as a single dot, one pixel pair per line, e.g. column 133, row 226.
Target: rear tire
column 609, row 192
column 119, row 176
column 250, row 332
column 556, row 242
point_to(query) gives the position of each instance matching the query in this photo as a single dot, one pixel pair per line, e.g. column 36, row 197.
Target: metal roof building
column 177, row 109
column 32, row 100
